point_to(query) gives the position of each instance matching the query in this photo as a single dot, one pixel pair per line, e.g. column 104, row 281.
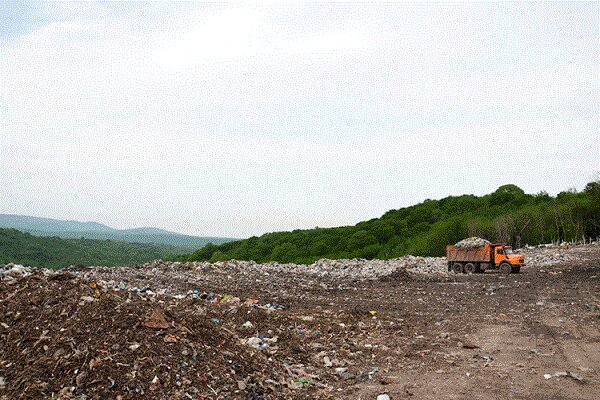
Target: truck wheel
column 515, row 270
column 457, row 268
column 505, row 268
column 469, row 268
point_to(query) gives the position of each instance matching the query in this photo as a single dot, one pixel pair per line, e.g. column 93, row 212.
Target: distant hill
column 54, row 252
column 26, row 223
column 147, row 231
column 507, row 215
column 38, row 226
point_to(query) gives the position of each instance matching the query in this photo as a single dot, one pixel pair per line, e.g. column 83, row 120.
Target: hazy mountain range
column 38, row 226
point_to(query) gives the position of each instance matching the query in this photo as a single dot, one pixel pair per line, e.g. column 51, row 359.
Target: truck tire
column 515, row 270
column 469, row 268
column 505, row 268
column 457, row 268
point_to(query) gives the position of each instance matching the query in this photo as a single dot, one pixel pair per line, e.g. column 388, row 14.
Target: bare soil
column 482, row 336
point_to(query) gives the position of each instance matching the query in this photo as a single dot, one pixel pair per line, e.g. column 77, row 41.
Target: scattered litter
column 365, row 376
column 569, row 374
column 170, row 339
column 156, row 321
column 154, row 384
column 302, row 381
column 275, row 306
column 178, row 330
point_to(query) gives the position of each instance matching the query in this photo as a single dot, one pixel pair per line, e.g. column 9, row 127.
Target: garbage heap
column 472, row 242
column 158, row 270
column 67, row 339
column 545, row 257
column 12, row 271
column 354, row 269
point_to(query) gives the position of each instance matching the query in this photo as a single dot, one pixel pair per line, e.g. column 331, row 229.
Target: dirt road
column 535, row 335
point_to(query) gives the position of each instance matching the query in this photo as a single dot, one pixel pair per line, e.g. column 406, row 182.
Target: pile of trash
column 12, row 271
column 370, row 269
column 98, row 332
column 425, row 265
column 182, row 280
column 472, row 242
column 80, row 341
column 198, row 279
column 545, row 257
column 354, row 269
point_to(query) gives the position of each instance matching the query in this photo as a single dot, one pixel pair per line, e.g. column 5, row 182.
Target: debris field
column 337, row 329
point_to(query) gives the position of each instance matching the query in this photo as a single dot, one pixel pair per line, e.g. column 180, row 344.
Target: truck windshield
column 507, row 250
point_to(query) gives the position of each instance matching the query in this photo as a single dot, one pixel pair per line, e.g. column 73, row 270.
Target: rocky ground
column 343, row 329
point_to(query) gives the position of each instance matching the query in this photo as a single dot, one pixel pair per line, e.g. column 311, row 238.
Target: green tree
column 360, row 239
column 285, row 253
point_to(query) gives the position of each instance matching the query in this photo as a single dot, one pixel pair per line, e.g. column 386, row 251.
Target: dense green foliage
column 53, row 252
column 38, row 226
column 507, row 215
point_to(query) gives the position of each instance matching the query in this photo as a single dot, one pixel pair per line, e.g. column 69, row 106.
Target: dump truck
column 490, row 256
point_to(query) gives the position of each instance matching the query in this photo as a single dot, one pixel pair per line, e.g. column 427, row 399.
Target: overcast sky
column 236, row 120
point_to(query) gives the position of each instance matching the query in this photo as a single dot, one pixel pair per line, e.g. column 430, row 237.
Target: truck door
column 499, row 255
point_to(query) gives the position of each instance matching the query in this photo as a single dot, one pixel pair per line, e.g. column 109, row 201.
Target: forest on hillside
column 508, row 215
column 54, row 252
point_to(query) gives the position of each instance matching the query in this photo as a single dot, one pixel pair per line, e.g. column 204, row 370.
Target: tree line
column 508, row 215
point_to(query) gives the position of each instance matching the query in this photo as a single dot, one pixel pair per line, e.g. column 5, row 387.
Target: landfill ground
column 171, row 331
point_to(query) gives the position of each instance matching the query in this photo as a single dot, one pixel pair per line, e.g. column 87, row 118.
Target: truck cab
column 504, row 254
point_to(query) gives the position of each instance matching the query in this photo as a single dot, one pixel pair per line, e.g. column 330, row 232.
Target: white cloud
column 228, row 34
column 288, row 116
column 334, row 40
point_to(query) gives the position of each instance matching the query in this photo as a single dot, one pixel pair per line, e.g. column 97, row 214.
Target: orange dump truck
column 478, row 259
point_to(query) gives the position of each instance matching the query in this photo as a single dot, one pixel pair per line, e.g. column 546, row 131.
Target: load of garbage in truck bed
column 472, row 242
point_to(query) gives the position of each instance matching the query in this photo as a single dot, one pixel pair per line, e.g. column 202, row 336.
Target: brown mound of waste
column 64, row 338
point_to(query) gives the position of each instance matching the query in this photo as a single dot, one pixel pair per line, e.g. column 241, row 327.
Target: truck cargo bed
column 476, row 254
